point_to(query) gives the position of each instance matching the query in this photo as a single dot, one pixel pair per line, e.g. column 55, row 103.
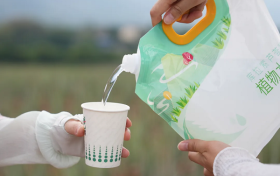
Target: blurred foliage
column 24, row 41
column 28, row 42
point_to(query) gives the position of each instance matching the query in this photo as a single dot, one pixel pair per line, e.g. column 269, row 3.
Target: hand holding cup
column 76, row 128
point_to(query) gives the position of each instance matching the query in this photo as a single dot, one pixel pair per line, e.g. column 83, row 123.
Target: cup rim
column 125, row 107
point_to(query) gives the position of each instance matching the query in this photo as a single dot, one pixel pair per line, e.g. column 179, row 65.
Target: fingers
column 207, row 173
column 128, row 123
column 158, row 9
column 190, row 17
column 195, row 13
column 127, row 134
column 74, row 127
column 125, row 152
column 179, row 8
column 193, row 145
column 196, row 157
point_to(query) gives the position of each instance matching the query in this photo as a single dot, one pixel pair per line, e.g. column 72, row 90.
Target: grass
column 153, row 146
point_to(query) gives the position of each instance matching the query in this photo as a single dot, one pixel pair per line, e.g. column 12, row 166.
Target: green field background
column 55, row 88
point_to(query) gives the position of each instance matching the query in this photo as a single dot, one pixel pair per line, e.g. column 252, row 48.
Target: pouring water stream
column 110, row 83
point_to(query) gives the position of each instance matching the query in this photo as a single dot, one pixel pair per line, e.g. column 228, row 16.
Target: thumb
column 178, row 9
column 193, row 145
column 74, row 127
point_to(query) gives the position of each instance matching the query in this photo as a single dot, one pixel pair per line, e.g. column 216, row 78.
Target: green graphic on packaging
column 219, row 42
column 187, row 134
column 211, row 135
column 272, row 79
column 171, row 75
column 266, row 79
column 241, row 120
column 184, row 100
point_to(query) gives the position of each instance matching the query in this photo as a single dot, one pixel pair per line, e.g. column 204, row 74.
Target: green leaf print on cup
column 94, row 156
column 112, row 155
column 120, row 153
column 89, row 156
column 116, row 158
column 86, row 152
column 106, row 160
column 100, row 156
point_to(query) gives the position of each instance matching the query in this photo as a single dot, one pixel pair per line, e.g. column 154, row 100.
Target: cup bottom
column 103, row 165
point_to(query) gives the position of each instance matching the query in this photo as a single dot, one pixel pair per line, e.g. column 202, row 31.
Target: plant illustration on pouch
column 219, row 42
column 176, row 112
column 226, row 21
column 222, row 35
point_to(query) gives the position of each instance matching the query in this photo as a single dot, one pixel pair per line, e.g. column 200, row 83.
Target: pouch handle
column 194, row 31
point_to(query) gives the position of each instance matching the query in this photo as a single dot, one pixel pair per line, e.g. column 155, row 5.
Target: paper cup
column 104, row 133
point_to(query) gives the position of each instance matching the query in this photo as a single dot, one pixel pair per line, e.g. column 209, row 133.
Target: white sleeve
column 29, row 139
column 64, row 142
column 234, row 161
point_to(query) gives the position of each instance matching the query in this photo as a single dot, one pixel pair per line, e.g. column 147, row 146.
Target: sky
column 98, row 13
